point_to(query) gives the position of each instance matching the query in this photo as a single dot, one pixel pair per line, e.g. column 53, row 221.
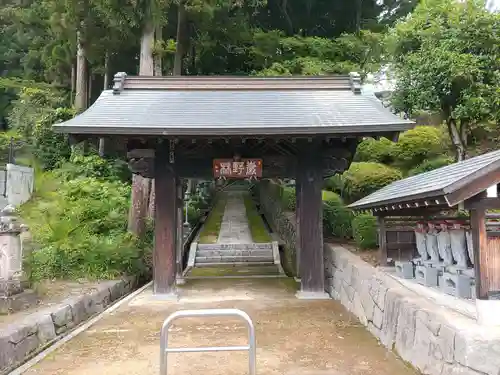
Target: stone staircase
column 234, row 253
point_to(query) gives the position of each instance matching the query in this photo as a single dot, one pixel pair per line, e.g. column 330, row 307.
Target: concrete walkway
column 234, row 227
column 294, row 337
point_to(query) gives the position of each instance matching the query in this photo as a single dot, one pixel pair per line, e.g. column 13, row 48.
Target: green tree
column 447, row 59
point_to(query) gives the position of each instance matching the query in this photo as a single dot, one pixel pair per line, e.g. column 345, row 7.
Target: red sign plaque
column 239, row 169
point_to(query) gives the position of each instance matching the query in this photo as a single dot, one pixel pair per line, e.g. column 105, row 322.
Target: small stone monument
column 12, row 294
column 455, row 281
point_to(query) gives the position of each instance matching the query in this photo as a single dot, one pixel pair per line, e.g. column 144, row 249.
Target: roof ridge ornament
column 119, row 82
column 355, row 80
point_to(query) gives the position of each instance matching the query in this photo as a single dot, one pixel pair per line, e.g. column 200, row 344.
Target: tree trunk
column 102, row 141
column 146, row 65
column 73, row 81
column 140, row 185
column 81, row 74
column 458, row 137
column 157, row 72
column 139, row 205
column 158, row 56
column 180, row 39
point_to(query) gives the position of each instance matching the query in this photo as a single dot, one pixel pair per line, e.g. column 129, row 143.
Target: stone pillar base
column 173, row 296
column 488, row 312
column 311, row 295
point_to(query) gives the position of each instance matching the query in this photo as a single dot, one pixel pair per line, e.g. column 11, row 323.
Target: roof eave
column 411, row 199
column 220, row 131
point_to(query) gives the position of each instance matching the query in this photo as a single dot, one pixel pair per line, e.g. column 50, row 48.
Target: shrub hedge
column 364, row 230
column 78, row 221
column 372, row 150
column 419, row 144
column 364, row 178
column 429, row 165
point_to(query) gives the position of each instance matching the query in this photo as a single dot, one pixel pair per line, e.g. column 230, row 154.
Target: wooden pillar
column 482, row 261
column 164, row 257
column 180, row 239
column 382, row 241
column 298, row 189
column 310, row 179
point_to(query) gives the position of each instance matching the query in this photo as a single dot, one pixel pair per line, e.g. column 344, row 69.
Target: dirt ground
column 51, row 292
column 294, row 337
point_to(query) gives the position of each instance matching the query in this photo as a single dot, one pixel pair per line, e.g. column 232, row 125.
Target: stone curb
column 433, row 339
column 21, row 339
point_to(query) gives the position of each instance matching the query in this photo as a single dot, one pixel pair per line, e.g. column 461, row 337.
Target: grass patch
column 211, row 228
column 258, row 229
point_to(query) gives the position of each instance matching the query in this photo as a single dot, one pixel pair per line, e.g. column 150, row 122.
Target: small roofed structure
column 471, row 185
column 305, row 128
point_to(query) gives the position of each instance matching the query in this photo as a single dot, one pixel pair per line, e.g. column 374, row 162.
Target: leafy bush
column 419, row 144
column 363, row 178
column 337, row 218
column 94, row 166
column 51, row 148
column 430, row 165
column 5, row 144
column 364, row 231
column 380, row 151
column 79, row 225
column 335, row 184
column 288, row 198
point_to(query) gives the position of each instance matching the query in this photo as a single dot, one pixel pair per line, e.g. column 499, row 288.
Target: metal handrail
column 164, row 349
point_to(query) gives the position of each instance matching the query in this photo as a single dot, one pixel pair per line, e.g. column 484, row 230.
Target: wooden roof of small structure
column 446, row 186
column 231, row 105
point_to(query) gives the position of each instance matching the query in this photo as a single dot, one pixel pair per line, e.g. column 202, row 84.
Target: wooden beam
column 483, row 203
column 382, row 241
column 477, row 186
column 309, row 176
column 164, row 257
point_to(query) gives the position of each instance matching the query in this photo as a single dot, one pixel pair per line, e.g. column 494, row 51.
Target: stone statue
column 432, row 243
column 421, row 241
column 444, row 244
column 458, row 244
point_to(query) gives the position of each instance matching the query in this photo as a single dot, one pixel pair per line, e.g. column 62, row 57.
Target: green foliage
column 6, row 139
column 288, row 198
column 335, row 184
column 51, row 148
column 429, row 165
column 447, row 60
column 211, row 227
column 364, row 178
column 336, row 216
column 380, row 151
column 364, row 230
column 418, row 144
column 258, row 229
column 95, row 167
column 79, row 227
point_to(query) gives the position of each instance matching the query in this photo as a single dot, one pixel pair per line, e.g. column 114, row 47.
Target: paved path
column 234, row 227
column 294, row 337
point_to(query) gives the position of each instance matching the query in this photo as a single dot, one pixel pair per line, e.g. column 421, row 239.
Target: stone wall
column 282, row 223
column 40, row 329
column 435, row 340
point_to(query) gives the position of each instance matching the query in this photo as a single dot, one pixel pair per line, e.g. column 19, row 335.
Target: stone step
column 236, row 246
column 234, row 264
column 234, row 259
column 246, row 270
column 234, row 253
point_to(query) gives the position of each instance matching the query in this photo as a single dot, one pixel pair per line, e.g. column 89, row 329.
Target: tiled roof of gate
column 234, row 106
column 439, row 182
